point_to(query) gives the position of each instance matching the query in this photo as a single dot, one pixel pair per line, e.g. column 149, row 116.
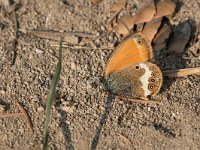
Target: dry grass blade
column 165, row 8
column 182, row 72
column 26, row 116
column 10, row 115
column 118, row 6
column 178, row 41
column 151, row 28
column 51, row 97
column 145, row 13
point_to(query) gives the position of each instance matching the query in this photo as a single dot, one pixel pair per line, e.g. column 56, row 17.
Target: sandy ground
column 96, row 120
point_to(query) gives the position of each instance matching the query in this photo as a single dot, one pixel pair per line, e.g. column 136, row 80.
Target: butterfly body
column 130, row 72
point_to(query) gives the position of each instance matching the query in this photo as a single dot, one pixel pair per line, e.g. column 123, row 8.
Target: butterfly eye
column 151, row 87
column 152, row 80
column 137, row 67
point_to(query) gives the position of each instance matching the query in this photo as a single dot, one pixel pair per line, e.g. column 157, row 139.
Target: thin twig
column 54, row 35
column 26, row 116
column 135, row 100
column 125, row 138
column 11, row 115
column 14, row 42
column 84, row 47
column 181, row 72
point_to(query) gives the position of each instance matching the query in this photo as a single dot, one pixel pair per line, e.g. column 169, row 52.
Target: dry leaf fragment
column 112, row 22
column 162, row 35
column 128, row 21
column 125, row 24
column 121, row 29
column 178, row 41
column 145, row 13
column 118, row 6
column 164, row 8
column 151, row 28
column 140, row 27
column 182, row 72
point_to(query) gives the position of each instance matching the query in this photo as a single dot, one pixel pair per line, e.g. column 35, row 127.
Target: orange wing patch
column 135, row 48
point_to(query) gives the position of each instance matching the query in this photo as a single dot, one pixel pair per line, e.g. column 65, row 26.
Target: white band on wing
column 145, row 79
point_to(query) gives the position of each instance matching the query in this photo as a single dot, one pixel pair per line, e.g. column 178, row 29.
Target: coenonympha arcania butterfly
column 130, row 71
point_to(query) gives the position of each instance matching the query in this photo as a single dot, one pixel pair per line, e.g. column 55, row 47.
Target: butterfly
column 130, row 71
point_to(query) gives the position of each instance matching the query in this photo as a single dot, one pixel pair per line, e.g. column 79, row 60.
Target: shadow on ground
column 66, row 131
column 104, row 117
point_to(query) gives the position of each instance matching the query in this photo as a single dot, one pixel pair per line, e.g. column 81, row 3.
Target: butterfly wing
column 135, row 48
column 137, row 80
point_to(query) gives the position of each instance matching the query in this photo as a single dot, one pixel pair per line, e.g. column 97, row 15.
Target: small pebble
column 40, row 109
column 2, row 92
column 39, row 51
column 2, row 108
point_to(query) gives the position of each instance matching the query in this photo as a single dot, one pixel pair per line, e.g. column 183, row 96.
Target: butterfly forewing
column 135, row 48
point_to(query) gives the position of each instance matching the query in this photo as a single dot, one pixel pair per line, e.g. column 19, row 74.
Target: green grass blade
column 51, row 97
